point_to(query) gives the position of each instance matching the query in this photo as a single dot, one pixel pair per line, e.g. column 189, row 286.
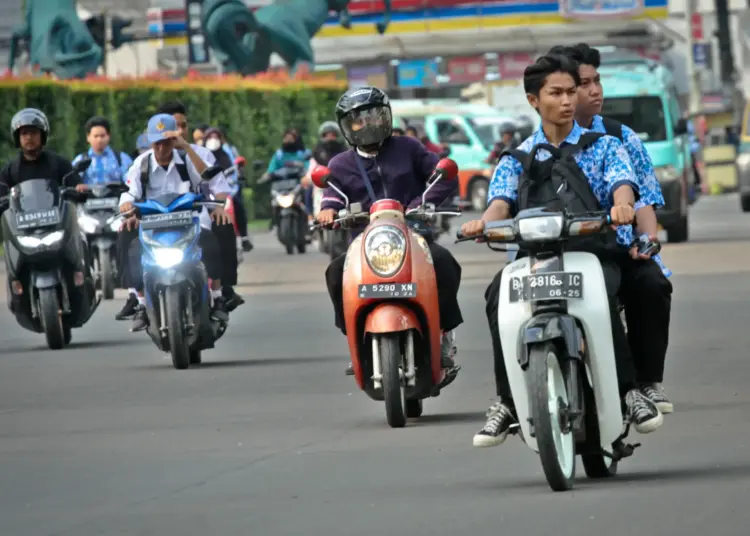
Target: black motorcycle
column 50, row 289
column 94, row 218
column 288, row 206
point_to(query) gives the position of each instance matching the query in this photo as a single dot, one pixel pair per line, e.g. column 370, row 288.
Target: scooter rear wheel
column 549, row 399
column 390, row 366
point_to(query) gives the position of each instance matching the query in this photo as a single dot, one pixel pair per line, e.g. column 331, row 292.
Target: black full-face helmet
column 29, row 117
column 364, row 115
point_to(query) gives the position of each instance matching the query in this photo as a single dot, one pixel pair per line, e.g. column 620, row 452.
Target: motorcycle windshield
column 166, row 199
column 35, row 195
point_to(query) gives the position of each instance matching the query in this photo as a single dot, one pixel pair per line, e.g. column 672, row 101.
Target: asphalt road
column 270, row 438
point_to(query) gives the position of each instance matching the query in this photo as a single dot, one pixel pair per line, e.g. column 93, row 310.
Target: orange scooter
column 391, row 301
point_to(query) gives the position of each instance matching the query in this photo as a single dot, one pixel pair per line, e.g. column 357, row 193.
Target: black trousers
column 240, row 213
column 447, row 273
column 647, row 297
column 219, row 255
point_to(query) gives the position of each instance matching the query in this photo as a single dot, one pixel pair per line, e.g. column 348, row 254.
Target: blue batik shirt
column 605, row 163
column 648, row 185
column 104, row 167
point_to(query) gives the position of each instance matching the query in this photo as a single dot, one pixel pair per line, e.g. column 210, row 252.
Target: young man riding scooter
column 551, row 85
column 164, row 169
column 648, row 306
column 381, row 166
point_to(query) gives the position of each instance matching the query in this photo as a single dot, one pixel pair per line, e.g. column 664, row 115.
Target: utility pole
column 694, row 104
column 726, row 58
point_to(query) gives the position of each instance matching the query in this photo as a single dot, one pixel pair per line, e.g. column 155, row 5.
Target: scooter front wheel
column 390, row 367
column 178, row 345
column 549, row 402
column 49, row 311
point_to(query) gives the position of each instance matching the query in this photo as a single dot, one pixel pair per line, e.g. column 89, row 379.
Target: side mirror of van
column 681, row 127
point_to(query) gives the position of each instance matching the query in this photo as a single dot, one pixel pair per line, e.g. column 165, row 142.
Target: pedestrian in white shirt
column 172, row 166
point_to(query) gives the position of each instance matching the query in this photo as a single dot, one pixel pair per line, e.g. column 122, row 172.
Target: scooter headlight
column 540, row 228
column 167, row 257
column 385, row 249
column 285, row 200
column 88, row 224
column 46, row 240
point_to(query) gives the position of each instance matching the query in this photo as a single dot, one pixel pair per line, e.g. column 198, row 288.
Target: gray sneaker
column 655, row 393
column 448, row 349
column 500, row 418
column 642, row 413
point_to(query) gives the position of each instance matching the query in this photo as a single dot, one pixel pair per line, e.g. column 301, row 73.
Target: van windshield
column 645, row 115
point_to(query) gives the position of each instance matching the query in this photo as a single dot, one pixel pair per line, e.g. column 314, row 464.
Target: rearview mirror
column 210, row 172
column 320, row 176
column 82, row 165
column 448, row 169
column 239, row 161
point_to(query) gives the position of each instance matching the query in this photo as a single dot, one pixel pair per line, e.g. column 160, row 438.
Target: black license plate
column 388, row 290
column 102, row 203
column 37, row 218
column 167, row 221
column 551, row 286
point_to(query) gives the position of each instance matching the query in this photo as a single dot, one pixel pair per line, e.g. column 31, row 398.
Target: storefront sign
column 417, row 73
column 598, row 9
column 369, row 75
column 513, row 64
column 466, row 70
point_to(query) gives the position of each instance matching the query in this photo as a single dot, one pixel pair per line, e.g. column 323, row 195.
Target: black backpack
column 612, row 128
column 559, row 184
column 146, row 171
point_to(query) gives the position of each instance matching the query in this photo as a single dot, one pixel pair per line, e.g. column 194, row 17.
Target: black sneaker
column 247, row 246
column 500, row 418
column 642, row 413
column 232, row 299
column 140, row 319
column 655, row 393
column 219, row 310
column 128, row 310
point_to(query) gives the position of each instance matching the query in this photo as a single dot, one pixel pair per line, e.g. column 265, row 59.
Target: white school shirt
column 169, row 181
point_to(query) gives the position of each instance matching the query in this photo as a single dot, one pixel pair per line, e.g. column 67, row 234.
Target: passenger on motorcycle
column 507, row 141
column 380, row 166
column 648, row 305
column 107, row 165
column 141, row 146
column 215, row 142
column 292, row 150
column 173, row 166
column 29, row 130
column 551, row 85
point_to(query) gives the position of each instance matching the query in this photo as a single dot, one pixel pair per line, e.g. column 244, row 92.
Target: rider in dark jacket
column 381, row 166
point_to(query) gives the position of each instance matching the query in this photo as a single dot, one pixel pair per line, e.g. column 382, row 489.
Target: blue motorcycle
column 174, row 278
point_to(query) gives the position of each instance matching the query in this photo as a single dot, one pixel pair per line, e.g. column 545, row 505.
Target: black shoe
column 129, row 308
column 232, row 299
column 350, row 369
column 140, row 319
column 219, row 311
column 247, row 246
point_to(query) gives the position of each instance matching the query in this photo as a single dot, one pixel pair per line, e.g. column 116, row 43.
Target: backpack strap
column 145, row 172
column 584, row 142
column 15, row 168
column 612, row 128
column 182, row 168
column 525, row 159
column 118, row 158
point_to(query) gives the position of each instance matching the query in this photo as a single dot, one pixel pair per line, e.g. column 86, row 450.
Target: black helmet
column 29, row 117
column 364, row 115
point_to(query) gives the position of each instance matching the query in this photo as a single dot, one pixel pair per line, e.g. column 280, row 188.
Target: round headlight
column 385, row 249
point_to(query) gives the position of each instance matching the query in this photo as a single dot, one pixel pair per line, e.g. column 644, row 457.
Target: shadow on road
column 239, row 363
column 451, row 418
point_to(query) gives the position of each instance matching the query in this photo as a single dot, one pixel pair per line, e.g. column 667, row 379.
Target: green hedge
column 255, row 113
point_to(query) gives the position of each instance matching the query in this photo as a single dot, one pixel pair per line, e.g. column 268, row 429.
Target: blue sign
column 417, row 73
column 702, row 55
column 574, row 9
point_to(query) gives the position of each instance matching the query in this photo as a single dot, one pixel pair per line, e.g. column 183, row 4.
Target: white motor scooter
column 557, row 341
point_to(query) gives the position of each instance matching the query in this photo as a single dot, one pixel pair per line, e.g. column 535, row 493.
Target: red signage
column 512, row 64
column 696, row 27
column 467, row 70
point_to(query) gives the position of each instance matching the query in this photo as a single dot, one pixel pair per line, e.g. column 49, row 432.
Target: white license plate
column 549, row 286
column 388, row 290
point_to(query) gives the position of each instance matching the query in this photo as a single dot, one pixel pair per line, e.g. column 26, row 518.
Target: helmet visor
column 367, row 127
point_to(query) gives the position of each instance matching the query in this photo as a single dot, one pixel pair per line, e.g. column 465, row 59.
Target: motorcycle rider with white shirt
column 173, row 166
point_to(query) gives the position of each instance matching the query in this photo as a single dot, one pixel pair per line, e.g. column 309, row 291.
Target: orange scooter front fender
column 391, row 318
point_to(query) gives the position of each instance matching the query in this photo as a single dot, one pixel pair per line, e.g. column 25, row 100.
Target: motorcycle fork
column 162, row 314
column 410, row 374
column 190, row 321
